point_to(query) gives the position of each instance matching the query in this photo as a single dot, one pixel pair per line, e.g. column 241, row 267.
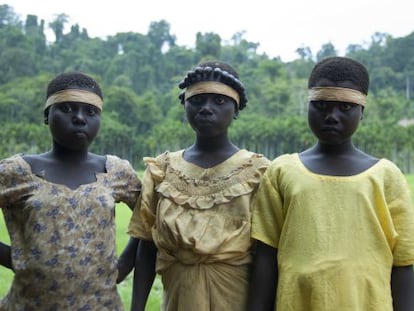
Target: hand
column 5, row 256
column 124, row 268
column 126, row 261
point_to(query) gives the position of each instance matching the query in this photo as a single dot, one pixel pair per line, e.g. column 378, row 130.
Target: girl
column 194, row 216
column 335, row 225
column 59, row 208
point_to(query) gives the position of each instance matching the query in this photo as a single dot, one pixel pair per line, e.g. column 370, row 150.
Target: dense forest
column 139, row 74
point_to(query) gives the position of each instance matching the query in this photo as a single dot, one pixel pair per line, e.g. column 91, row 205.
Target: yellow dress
column 200, row 221
column 337, row 237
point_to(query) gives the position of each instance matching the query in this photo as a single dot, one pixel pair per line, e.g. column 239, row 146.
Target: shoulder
column 282, row 164
column 164, row 159
column 253, row 155
column 115, row 164
column 14, row 168
column 13, row 162
column 288, row 159
column 387, row 168
column 257, row 159
column 388, row 176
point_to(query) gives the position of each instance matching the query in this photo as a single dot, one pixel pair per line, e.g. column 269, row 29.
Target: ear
column 236, row 111
column 46, row 117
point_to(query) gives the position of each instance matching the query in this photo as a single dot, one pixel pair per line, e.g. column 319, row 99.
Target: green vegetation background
column 140, row 72
column 125, row 288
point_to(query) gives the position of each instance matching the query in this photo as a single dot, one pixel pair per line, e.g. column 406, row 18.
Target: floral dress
column 199, row 219
column 63, row 244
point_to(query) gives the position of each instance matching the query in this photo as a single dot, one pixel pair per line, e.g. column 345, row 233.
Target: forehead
column 326, row 82
column 332, row 103
column 74, row 105
column 208, row 95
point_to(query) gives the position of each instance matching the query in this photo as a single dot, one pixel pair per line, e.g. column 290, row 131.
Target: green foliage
column 208, row 45
column 139, row 74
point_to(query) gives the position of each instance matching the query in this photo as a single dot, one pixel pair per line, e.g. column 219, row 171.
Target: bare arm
column 144, row 274
column 126, row 261
column 262, row 293
column 5, row 256
column 402, row 288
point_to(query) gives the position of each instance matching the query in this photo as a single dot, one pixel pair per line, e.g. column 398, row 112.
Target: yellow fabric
column 337, row 237
column 200, row 220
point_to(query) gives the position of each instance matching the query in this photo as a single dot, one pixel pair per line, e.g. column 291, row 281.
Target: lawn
column 122, row 219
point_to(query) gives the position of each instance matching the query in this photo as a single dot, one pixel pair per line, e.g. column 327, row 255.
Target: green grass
column 123, row 215
column 410, row 179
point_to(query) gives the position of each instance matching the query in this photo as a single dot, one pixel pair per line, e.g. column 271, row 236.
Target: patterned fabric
column 199, row 220
column 337, row 236
column 63, row 240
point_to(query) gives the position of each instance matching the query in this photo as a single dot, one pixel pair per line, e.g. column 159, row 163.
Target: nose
column 332, row 114
column 78, row 117
column 206, row 107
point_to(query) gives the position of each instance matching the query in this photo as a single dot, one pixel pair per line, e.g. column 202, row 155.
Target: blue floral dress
column 63, row 240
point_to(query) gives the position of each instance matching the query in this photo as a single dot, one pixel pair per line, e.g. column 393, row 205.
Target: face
column 210, row 114
column 73, row 125
column 334, row 122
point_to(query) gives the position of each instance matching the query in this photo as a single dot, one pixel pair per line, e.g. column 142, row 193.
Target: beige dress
column 199, row 220
column 63, row 240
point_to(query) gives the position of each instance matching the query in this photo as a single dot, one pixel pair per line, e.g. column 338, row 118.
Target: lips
column 330, row 129
column 204, row 119
column 81, row 134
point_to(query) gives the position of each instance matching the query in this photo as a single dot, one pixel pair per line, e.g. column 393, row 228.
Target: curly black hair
column 215, row 71
column 73, row 80
column 339, row 69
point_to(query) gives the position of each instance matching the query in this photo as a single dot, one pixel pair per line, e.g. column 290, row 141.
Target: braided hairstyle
column 339, row 69
column 214, row 71
column 73, row 80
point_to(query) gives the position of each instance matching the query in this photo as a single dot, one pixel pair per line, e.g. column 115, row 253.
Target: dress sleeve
column 15, row 181
column 402, row 213
column 267, row 219
column 126, row 184
column 143, row 216
column 4, row 183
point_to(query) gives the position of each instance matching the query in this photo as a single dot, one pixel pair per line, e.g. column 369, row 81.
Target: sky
column 279, row 27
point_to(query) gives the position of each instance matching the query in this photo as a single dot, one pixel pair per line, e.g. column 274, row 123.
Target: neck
column 335, row 150
column 213, row 144
column 68, row 155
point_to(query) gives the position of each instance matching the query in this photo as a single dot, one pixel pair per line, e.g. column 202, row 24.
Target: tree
column 159, row 35
column 208, row 45
column 305, row 53
column 327, row 50
column 8, row 17
column 58, row 25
